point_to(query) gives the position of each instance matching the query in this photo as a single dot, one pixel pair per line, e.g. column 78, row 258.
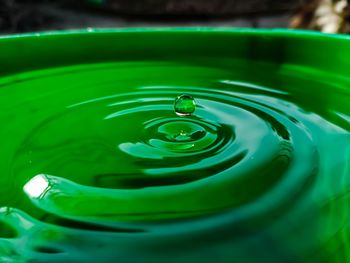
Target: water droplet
column 184, row 105
column 182, row 136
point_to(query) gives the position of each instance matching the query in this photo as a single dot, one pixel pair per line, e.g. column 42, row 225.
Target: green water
column 96, row 166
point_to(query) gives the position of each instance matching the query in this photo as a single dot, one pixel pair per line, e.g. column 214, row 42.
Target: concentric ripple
column 102, row 150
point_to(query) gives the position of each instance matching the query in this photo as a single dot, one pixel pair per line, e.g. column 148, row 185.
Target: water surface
column 95, row 164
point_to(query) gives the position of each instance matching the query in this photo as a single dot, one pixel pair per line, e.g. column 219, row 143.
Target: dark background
column 330, row 16
column 42, row 15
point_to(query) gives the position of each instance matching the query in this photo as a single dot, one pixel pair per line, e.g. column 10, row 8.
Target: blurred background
column 16, row 16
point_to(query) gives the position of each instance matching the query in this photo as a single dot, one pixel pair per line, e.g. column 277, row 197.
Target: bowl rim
column 276, row 32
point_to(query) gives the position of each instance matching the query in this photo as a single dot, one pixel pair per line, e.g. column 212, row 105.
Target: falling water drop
column 184, row 105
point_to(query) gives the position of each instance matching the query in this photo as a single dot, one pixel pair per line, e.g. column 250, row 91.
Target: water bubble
column 184, row 105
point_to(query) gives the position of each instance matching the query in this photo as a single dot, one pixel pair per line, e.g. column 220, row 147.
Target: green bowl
column 174, row 145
